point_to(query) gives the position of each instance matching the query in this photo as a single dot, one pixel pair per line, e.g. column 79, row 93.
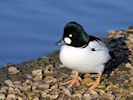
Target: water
column 30, row 28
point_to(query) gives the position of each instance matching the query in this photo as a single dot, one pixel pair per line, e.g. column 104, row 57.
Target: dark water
column 30, row 28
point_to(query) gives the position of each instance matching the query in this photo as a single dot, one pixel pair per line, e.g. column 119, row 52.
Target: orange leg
column 75, row 80
column 93, row 85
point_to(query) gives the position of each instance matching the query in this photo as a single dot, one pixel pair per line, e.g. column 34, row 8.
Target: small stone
column 102, row 92
column 37, row 78
column 50, row 79
column 9, row 82
column 65, row 91
column 36, row 98
column 43, row 86
column 27, row 88
column 27, row 81
column 131, row 93
column 131, row 79
column 44, row 94
column 11, row 97
column 53, row 97
column 30, row 95
column 3, row 89
column 87, row 96
column 17, row 82
column 11, row 90
column 19, row 98
column 131, row 71
column 49, row 69
column 54, row 86
column 102, row 85
column 13, row 70
column 37, row 74
column 34, row 87
column 17, row 90
column 94, row 94
column 77, row 95
column 109, row 96
column 2, row 97
column 29, row 76
column 20, row 87
column 128, row 65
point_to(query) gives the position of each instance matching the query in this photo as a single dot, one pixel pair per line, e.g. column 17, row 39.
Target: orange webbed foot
column 75, row 80
column 93, row 85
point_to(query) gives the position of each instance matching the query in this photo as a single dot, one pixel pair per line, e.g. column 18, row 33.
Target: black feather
column 112, row 55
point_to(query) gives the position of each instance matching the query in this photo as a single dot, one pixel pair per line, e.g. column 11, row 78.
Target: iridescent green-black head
column 74, row 35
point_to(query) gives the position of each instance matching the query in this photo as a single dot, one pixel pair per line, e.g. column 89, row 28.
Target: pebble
column 11, row 90
column 2, row 97
column 128, row 65
column 11, row 97
column 34, row 87
column 109, row 96
column 131, row 93
column 44, row 94
column 131, row 79
column 43, row 86
column 9, row 82
column 27, row 81
column 87, row 96
column 65, row 91
column 19, row 98
column 49, row 69
column 36, row 98
column 13, row 70
column 37, row 74
column 50, row 79
column 77, row 95
column 55, row 96
column 101, row 92
column 29, row 76
column 17, row 82
column 55, row 86
column 3, row 89
column 94, row 94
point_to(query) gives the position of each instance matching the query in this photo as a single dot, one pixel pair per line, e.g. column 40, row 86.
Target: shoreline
column 42, row 78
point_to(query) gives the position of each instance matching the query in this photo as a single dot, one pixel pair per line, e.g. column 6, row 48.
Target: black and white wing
column 96, row 44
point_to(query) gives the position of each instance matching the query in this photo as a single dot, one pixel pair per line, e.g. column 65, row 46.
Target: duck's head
column 74, row 35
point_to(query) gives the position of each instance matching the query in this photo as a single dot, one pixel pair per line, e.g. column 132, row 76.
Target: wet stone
column 50, row 79
column 36, row 98
column 87, row 96
column 109, row 96
column 94, row 94
column 3, row 89
column 13, row 70
column 11, row 97
column 37, row 74
column 9, row 82
column 43, row 86
column 2, row 96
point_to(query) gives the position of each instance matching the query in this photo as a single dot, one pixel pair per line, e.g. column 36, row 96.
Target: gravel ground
column 42, row 78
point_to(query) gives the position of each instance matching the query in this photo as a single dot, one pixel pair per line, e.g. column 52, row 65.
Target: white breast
column 84, row 59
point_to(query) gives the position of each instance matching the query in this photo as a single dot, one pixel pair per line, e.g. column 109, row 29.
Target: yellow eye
column 70, row 35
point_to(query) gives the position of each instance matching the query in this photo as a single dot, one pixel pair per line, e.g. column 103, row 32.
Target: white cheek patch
column 67, row 40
